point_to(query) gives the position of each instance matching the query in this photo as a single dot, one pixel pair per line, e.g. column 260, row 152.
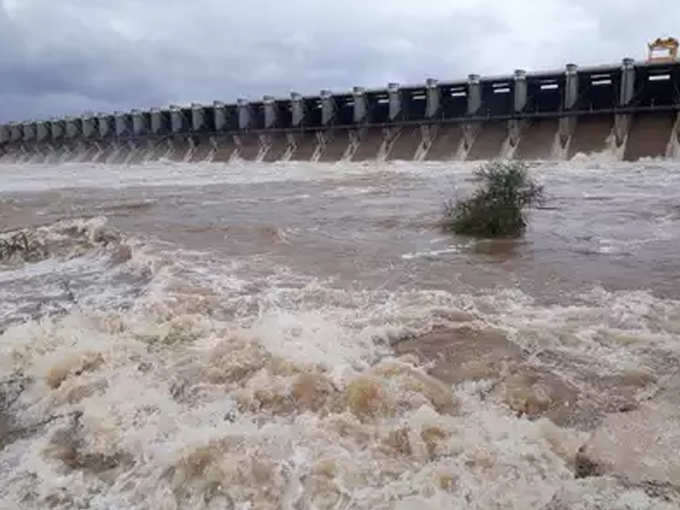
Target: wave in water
column 224, row 384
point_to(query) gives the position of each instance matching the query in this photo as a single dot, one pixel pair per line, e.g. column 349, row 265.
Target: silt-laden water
column 306, row 336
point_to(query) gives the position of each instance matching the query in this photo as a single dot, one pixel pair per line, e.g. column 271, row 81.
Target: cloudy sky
column 68, row 56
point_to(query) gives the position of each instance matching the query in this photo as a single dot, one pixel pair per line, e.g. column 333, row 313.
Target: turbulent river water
column 306, row 336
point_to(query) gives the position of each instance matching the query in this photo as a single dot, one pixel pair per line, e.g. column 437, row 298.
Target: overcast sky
column 68, row 56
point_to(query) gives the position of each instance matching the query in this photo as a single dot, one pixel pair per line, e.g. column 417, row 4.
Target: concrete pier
column 104, row 125
column 327, row 107
column 244, row 114
column 270, row 112
column 42, row 132
column 156, row 121
column 297, row 110
column 630, row 110
column 198, row 120
column 567, row 124
column 220, row 116
column 395, row 102
column 123, row 125
column 140, row 125
column 88, row 126
column 433, row 98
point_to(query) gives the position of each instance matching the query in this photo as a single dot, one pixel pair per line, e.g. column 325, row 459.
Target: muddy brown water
column 307, row 336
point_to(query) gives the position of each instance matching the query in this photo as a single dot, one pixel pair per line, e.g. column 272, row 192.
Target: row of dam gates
column 629, row 111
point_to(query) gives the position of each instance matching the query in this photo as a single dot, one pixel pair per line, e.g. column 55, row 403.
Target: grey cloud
column 76, row 55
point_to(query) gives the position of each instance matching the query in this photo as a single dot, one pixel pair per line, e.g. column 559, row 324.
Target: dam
column 194, row 315
column 629, row 110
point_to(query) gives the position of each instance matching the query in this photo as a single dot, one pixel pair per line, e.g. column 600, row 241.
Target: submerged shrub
column 20, row 245
column 496, row 209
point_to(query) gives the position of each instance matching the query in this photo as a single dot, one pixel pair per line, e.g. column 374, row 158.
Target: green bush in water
column 496, row 209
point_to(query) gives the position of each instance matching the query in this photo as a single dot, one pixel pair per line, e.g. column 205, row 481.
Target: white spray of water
column 218, row 388
column 673, row 150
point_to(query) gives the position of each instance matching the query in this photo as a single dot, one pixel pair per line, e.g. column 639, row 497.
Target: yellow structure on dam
column 663, row 50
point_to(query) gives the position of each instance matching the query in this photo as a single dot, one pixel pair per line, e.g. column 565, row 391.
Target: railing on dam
column 253, row 128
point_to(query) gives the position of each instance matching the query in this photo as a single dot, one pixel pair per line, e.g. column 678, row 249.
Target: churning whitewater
column 306, row 336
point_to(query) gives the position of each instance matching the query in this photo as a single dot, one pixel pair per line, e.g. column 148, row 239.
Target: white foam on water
column 343, row 191
column 42, row 177
column 558, row 151
column 673, row 148
column 430, row 253
column 183, row 409
column 224, row 384
column 80, row 261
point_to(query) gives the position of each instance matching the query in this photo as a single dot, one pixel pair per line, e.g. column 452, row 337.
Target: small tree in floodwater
column 496, row 209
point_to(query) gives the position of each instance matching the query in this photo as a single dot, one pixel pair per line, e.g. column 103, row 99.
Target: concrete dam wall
column 629, row 111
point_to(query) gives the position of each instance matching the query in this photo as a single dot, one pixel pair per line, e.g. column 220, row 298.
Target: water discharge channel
column 304, row 335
